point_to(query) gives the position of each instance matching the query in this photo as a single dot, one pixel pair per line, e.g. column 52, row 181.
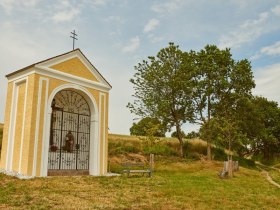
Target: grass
column 277, row 165
column 176, row 184
column 275, row 175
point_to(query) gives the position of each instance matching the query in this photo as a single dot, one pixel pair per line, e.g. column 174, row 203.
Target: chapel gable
column 74, row 66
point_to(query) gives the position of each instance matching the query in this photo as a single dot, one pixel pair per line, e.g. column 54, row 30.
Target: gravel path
column 267, row 176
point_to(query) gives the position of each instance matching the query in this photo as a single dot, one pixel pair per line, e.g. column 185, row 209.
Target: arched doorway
column 69, row 143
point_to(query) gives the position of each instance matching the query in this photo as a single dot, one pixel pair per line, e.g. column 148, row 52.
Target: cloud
column 252, row 29
column 156, row 39
column 115, row 19
column 133, row 45
column 10, row 5
column 99, row 2
column 167, row 6
column 248, row 31
column 271, row 50
column 267, row 82
column 151, row 25
column 276, row 10
column 66, row 15
column 65, row 12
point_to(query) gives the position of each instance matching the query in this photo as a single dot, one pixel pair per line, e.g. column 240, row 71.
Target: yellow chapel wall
column 19, row 124
column 6, row 125
column 29, row 121
column 25, row 136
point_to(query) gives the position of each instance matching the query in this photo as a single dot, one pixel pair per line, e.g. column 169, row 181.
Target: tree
column 175, row 135
column 226, row 131
column 266, row 130
column 145, row 125
column 220, row 82
column 192, row 135
column 163, row 88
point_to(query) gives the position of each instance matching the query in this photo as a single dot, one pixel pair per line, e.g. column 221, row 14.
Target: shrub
column 159, row 149
column 193, row 156
column 247, row 163
column 219, row 154
column 197, row 148
column 116, row 148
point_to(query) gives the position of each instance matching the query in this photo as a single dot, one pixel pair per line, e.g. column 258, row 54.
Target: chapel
column 56, row 119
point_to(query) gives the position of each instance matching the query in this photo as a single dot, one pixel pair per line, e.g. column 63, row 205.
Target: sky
column 115, row 35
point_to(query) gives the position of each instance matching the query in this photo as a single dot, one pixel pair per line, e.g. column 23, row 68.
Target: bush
column 197, row 148
column 193, row 156
column 175, row 135
column 219, row 154
column 244, row 162
column 159, row 149
column 116, row 148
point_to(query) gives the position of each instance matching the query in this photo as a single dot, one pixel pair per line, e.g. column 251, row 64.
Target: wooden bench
column 136, row 168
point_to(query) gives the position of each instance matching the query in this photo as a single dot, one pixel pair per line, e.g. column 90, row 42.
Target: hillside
column 121, row 147
column 177, row 183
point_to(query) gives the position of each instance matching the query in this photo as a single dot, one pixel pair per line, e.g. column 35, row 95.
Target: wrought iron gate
column 70, row 132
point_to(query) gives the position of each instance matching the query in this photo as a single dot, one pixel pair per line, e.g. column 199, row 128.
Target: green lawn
column 175, row 185
column 275, row 175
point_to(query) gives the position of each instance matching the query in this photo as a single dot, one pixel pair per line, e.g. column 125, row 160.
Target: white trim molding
column 38, row 114
column 12, row 123
column 48, row 72
column 104, row 133
column 23, row 127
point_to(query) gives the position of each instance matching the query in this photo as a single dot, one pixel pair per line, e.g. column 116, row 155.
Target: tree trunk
column 230, row 168
column 180, row 138
column 266, row 153
column 181, row 148
column 209, row 154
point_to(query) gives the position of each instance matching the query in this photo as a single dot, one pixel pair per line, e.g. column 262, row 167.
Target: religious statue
column 69, row 142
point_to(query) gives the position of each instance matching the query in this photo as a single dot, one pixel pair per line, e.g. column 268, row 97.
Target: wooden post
column 235, row 166
column 152, row 164
column 226, row 166
column 230, row 168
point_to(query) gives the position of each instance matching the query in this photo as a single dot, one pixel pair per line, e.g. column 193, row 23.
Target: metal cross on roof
column 74, row 38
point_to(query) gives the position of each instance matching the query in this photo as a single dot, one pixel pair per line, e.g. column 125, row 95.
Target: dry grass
column 176, row 184
column 1, row 126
